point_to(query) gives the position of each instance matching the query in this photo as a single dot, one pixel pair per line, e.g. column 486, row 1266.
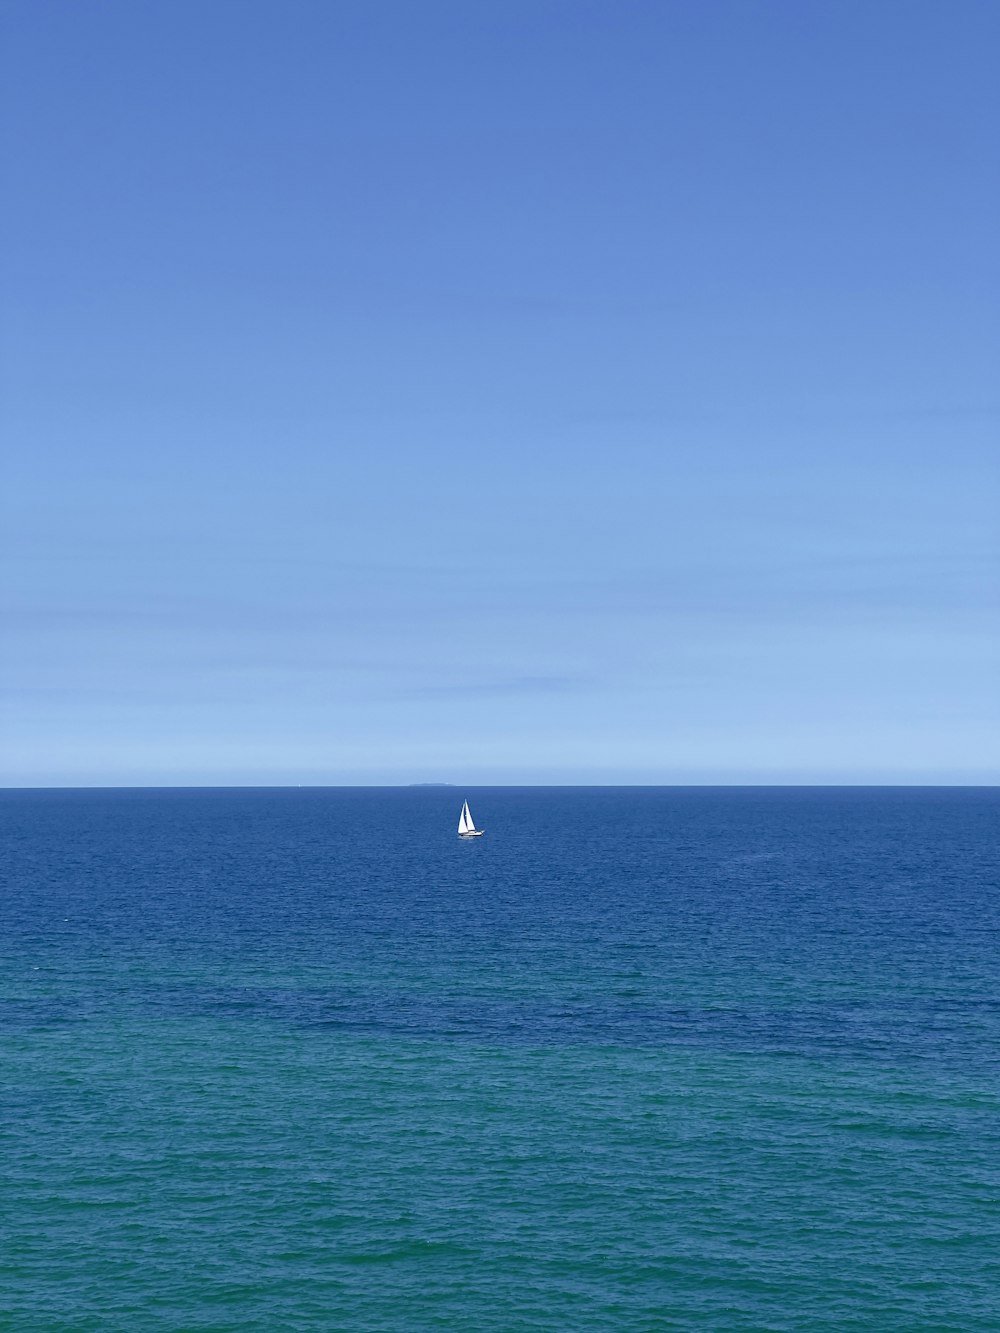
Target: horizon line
column 456, row 786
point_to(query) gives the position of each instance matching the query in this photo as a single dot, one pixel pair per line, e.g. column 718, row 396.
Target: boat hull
column 473, row 833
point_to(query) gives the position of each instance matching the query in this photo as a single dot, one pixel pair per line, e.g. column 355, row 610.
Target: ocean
column 638, row 1059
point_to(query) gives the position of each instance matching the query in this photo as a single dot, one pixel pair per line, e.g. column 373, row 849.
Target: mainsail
column 465, row 824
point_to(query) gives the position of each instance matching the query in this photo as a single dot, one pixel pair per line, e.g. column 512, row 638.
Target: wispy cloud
column 500, row 685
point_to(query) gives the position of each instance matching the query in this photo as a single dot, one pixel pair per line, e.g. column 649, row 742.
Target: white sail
column 466, row 828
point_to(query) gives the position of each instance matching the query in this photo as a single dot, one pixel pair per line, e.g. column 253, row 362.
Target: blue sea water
column 638, row 1059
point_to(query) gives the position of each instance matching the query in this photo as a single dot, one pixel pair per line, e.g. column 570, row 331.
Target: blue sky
column 500, row 392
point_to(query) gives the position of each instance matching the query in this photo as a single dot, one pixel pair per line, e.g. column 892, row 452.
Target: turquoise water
column 635, row 1060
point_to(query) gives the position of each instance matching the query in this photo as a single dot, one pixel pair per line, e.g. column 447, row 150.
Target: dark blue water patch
column 963, row 1031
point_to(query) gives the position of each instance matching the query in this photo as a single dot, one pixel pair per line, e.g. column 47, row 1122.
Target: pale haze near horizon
column 523, row 392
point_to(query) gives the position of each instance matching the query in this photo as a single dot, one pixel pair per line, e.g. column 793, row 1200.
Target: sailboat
column 466, row 828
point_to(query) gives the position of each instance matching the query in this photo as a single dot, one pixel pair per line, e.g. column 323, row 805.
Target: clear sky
column 500, row 392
